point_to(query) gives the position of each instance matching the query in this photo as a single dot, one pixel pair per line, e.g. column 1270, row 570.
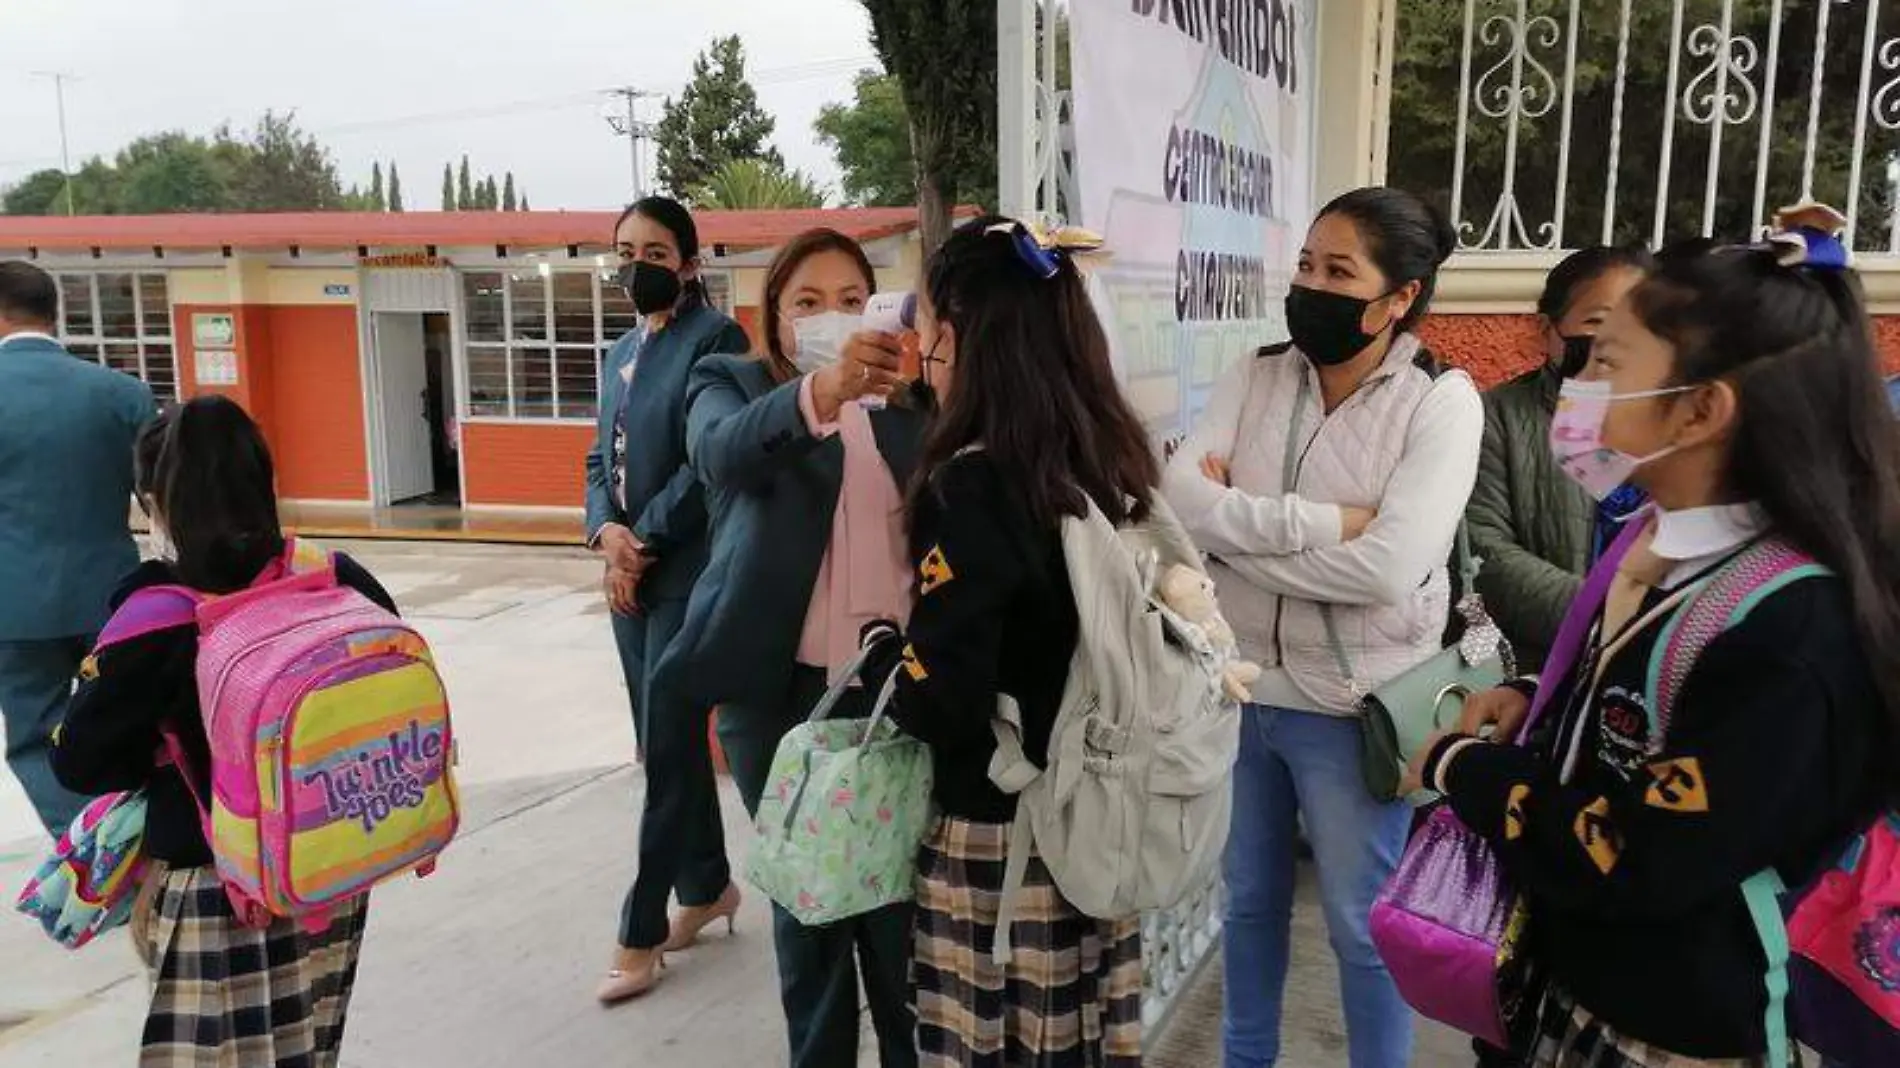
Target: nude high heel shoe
column 688, row 923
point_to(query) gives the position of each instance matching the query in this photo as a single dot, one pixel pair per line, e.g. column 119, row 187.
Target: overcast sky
column 514, row 85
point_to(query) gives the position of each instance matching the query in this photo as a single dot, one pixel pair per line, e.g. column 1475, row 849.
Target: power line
column 773, row 76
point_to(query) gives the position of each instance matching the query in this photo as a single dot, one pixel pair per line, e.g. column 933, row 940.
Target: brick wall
column 525, row 464
column 1495, row 348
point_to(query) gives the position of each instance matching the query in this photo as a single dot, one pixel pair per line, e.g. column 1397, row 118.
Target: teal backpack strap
column 1720, row 604
column 1724, row 601
column 1762, row 891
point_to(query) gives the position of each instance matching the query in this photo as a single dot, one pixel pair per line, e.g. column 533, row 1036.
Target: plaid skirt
column 1070, row 998
column 228, row 996
column 1569, row 1037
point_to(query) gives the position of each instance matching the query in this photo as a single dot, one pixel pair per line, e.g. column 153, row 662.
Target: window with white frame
column 536, row 337
column 121, row 320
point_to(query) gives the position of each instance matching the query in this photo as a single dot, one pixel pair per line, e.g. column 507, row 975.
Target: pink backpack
column 331, row 749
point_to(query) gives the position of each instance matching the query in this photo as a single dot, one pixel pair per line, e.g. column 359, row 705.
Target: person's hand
column 622, row 588
column 1414, row 778
column 1501, row 707
column 1354, row 520
column 1217, row 469
column 871, row 366
column 621, row 548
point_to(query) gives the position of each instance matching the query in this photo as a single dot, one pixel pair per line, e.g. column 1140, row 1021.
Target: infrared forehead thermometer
column 891, row 313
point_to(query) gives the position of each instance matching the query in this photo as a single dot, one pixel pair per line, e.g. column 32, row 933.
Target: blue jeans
column 1295, row 764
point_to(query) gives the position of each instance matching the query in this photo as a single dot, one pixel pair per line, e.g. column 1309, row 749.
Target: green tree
column 378, row 200
column 173, row 172
column 97, row 190
column 448, row 188
column 464, row 189
column 276, row 166
column 395, row 188
column 39, row 193
column 754, row 184
column 524, row 202
column 491, row 195
column 1425, row 96
column 508, row 199
column 870, row 139
column 943, row 55
column 715, row 120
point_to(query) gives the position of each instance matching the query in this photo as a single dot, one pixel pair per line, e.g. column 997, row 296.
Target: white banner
column 1193, row 151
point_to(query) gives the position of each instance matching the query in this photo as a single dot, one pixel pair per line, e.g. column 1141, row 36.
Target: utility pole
column 630, row 127
column 60, row 79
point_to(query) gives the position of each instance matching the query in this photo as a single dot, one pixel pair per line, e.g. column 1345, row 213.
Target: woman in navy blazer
column 805, row 485
column 646, row 515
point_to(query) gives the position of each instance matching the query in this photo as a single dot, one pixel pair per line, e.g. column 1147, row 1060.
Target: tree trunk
column 933, row 211
column 933, row 203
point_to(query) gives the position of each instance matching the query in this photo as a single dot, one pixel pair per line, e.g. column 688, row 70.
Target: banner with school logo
column 1193, row 156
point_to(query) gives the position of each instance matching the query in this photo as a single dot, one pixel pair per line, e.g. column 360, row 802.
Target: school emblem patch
column 1598, row 836
column 934, row 572
column 1678, row 786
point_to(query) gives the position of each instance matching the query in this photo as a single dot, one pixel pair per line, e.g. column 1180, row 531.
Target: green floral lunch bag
column 846, row 806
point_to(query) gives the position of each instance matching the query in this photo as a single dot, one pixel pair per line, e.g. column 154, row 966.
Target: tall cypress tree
column 465, row 199
column 448, row 187
column 395, row 188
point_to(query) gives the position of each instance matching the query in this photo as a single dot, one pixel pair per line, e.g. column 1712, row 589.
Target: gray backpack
column 1132, row 810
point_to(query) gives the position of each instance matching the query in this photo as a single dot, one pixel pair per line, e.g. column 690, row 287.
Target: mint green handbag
column 1396, row 719
column 845, row 809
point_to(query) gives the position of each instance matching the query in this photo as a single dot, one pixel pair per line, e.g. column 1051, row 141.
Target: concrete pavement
column 492, row 961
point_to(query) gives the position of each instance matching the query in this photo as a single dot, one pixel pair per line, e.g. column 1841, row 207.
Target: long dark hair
column 206, row 472
column 1814, row 443
column 1407, row 238
column 1034, row 386
column 672, row 215
column 789, row 259
column 1583, row 267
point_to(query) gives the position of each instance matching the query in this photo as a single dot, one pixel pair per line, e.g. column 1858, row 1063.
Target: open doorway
column 445, row 435
column 416, row 386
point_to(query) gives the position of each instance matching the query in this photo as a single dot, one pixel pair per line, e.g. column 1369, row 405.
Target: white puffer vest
column 1347, row 457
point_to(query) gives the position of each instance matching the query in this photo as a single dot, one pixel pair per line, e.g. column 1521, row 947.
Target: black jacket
column 772, row 489
column 994, row 615
column 1777, row 748
column 110, row 739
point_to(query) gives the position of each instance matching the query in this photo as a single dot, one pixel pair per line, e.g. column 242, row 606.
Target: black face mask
column 1576, row 355
column 1325, row 326
column 921, row 396
column 651, row 287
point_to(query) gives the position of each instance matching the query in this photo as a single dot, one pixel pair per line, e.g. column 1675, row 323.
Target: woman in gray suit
column 646, row 515
column 805, row 482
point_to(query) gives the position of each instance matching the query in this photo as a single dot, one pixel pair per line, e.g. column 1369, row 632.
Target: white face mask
column 821, row 339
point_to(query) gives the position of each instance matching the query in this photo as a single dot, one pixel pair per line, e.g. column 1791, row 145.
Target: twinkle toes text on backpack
column 332, row 749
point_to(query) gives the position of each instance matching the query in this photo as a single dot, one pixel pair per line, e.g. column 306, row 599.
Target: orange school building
column 426, row 358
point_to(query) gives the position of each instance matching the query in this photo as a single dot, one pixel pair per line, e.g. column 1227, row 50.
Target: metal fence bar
column 1464, row 123
column 1616, row 121
column 1507, row 204
column 1767, row 110
column 1718, row 113
column 1669, row 126
column 1555, row 229
column 1860, row 119
column 1814, row 100
column 1722, row 71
